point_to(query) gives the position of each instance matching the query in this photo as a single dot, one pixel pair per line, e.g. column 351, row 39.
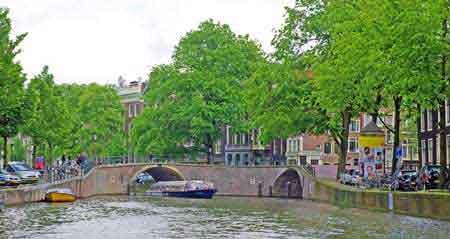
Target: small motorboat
column 186, row 189
column 60, row 195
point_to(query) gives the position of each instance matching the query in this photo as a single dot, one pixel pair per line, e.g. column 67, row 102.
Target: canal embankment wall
column 430, row 205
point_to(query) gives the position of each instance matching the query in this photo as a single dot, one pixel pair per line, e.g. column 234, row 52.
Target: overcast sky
column 86, row 41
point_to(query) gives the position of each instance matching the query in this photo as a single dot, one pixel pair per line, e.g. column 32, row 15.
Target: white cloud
column 98, row 40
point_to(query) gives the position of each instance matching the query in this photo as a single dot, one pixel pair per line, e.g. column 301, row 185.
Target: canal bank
column 116, row 180
column 419, row 204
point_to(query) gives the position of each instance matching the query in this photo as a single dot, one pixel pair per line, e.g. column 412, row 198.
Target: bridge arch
column 288, row 183
column 161, row 173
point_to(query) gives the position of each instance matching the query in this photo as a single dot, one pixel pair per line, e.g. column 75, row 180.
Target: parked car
column 351, row 176
column 144, row 178
column 24, row 172
column 10, row 180
column 407, row 180
column 430, row 176
column 3, row 181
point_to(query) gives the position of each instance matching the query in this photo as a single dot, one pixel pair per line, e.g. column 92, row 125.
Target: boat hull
column 60, row 197
column 202, row 194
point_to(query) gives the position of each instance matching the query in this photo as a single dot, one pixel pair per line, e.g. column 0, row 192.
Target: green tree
column 49, row 123
column 192, row 99
column 20, row 151
column 279, row 100
column 394, row 49
column 101, row 115
column 12, row 100
column 306, row 39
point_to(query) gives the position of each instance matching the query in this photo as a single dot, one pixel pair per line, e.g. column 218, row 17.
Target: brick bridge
column 239, row 181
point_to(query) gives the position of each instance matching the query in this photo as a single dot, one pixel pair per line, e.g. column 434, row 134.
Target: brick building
column 429, row 136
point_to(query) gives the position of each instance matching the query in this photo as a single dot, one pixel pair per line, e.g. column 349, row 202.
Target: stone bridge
column 232, row 181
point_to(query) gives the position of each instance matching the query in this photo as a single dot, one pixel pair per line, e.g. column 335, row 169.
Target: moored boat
column 60, row 195
column 186, row 189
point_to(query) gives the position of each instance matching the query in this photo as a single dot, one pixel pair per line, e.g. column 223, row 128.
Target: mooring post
column 260, row 189
column 270, row 191
column 289, row 189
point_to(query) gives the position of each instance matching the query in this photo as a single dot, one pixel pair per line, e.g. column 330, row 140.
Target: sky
column 84, row 41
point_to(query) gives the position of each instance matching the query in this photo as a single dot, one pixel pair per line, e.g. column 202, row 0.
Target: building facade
column 244, row 149
column 429, row 136
column 132, row 99
column 322, row 150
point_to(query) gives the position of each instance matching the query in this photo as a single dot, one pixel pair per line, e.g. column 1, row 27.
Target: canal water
column 222, row 217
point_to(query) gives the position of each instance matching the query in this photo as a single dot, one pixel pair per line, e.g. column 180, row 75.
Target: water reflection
column 123, row 217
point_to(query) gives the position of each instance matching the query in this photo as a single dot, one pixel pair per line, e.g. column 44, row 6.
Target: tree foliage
column 12, row 100
column 190, row 100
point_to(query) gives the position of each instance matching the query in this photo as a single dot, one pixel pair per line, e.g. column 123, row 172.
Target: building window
column 430, row 119
column 327, row 148
column 430, row 150
column 229, row 136
column 229, row 159
column 237, row 138
column 136, row 108
column 218, row 147
column 390, row 137
column 314, row 162
column 353, row 145
column 424, row 150
column 447, row 112
column 245, row 138
column 366, row 119
column 423, row 121
column 405, row 150
column 130, row 110
column 238, row 159
column 302, row 160
column 354, row 126
column 448, row 149
column 438, row 149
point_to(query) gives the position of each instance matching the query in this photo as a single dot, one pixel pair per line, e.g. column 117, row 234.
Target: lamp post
column 94, row 138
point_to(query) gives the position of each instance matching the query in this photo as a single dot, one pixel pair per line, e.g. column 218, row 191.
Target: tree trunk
column 33, row 155
column 209, row 144
column 374, row 117
column 5, row 151
column 397, row 119
column 419, row 141
column 50, row 154
column 343, row 144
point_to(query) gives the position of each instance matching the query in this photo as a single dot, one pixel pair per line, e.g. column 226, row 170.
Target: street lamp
column 94, row 138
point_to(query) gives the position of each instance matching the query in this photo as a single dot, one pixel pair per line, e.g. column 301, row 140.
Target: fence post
column 289, row 189
column 260, row 189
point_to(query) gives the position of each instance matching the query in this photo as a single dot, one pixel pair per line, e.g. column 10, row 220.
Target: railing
column 309, row 169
